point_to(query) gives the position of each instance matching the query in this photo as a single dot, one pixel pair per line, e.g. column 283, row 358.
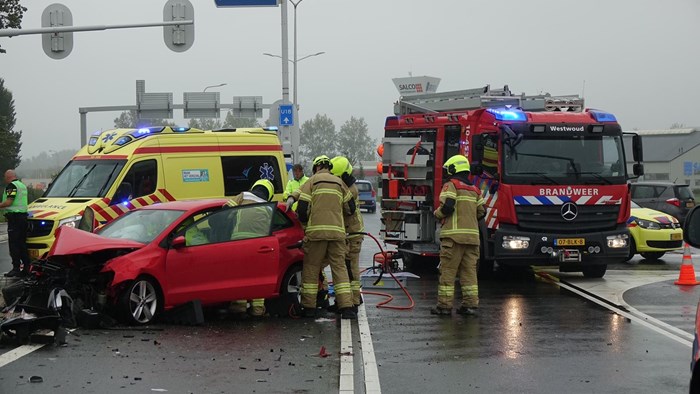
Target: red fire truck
column 553, row 175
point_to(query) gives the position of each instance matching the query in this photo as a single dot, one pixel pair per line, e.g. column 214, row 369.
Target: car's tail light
column 374, row 194
column 674, row 201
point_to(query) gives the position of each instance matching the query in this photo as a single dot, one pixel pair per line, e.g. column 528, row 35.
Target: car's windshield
column 141, row 225
column 684, row 193
column 590, row 159
column 85, row 178
column 364, row 186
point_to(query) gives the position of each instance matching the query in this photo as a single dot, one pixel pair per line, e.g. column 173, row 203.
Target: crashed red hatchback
column 160, row 256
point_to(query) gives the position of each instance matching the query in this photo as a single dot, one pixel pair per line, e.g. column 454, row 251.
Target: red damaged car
column 160, row 256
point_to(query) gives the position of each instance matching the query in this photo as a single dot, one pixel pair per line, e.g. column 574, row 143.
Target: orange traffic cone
column 687, row 275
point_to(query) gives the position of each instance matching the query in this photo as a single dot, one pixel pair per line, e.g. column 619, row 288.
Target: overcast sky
column 639, row 58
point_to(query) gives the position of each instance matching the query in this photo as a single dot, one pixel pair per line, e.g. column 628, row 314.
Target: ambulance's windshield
column 85, row 178
column 565, row 160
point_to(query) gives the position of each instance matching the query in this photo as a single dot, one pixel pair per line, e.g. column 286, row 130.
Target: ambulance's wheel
column 594, row 271
column 141, row 302
column 633, row 250
column 653, row 255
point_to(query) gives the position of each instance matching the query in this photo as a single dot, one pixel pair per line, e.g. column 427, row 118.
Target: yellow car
column 653, row 233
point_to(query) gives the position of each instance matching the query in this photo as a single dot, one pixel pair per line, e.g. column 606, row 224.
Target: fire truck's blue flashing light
column 601, row 116
column 505, row 114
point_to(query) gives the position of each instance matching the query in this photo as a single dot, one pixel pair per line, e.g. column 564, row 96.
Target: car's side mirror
column 691, row 228
column 178, row 242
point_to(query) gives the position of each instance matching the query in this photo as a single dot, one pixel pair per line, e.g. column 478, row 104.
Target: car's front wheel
column 290, row 293
column 633, row 249
column 140, row 302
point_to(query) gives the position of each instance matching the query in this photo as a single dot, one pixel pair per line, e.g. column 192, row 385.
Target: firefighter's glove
column 288, row 205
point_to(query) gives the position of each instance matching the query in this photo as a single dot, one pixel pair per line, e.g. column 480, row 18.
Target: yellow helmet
column 321, row 159
column 341, row 165
column 267, row 185
column 456, row 163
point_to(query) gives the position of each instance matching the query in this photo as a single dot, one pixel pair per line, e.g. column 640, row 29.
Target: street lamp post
column 294, row 62
column 214, row 86
column 295, row 51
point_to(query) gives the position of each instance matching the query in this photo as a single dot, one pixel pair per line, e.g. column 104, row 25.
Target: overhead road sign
column 57, row 45
column 246, row 3
column 286, row 115
column 201, row 104
column 247, row 107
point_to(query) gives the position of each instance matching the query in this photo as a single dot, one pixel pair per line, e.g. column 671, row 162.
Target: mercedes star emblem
column 569, row 211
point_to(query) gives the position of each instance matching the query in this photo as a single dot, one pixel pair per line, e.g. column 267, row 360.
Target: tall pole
column 285, row 53
column 296, row 103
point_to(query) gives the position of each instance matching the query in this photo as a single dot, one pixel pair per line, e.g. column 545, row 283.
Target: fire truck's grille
column 39, row 228
column 548, row 218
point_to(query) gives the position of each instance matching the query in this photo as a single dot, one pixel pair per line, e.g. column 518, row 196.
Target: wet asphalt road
column 531, row 336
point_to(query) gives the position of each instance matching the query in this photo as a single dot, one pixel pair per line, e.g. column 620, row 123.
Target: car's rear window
column 684, row 193
column 364, row 186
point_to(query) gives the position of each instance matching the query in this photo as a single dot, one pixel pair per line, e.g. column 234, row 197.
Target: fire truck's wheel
column 485, row 268
column 141, row 302
column 594, row 271
column 653, row 255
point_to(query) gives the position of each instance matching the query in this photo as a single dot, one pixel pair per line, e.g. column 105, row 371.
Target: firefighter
column 14, row 202
column 323, row 201
column 354, row 226
column 461, row 207
column 256, row 222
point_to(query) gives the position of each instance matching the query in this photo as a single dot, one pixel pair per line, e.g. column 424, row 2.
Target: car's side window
column 195, row 230
column 664, row 191
column 252, row 221
column 642, row 192
column 280, row 221
column 231, row 224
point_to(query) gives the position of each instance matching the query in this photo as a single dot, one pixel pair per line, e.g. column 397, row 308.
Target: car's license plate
column 34, row 254
column 690, row 204
column 676, row 236
column 569, row 242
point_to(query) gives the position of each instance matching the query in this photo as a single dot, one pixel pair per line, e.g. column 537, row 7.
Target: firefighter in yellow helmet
column 461, row 207
column 323, row 202
column 354, row 227
column 252, row 221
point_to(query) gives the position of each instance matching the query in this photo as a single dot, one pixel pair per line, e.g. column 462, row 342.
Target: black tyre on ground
column 594, row 271
column 633, row 250
column 141, row 302
column 653, row 255
column 290, row 293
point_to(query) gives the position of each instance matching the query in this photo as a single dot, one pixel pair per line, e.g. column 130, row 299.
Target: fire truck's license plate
column 569, row 242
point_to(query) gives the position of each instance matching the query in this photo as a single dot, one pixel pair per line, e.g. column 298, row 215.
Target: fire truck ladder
column 484, row 97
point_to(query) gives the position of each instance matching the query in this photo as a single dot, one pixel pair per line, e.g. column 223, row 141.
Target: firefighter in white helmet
column 252, row 221
column 461, row 208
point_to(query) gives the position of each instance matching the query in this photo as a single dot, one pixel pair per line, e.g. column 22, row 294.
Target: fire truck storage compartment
column 408, row 171
column 408, row 225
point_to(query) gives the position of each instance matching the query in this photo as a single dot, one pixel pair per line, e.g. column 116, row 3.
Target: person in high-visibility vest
column 295, row 183
column 461, row 208
column 323, row 202
column 14, row 203
column 256, row 222
column 354, row 227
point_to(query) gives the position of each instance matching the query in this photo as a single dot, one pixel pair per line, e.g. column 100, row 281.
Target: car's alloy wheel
column 141, row 302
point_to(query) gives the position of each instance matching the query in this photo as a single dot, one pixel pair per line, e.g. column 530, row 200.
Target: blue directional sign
column 286, row 115
column 246, row 3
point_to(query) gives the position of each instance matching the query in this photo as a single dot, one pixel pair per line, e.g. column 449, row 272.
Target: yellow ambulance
column 122, row 169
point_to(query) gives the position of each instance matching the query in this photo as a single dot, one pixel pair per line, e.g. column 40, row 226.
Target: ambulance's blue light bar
column 271, row 128
column 181, row 129
column 505, row 114
column 93, row 141
column 122, row 140
column 601, row 116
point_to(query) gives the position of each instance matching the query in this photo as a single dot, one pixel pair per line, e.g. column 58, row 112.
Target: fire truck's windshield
column 590, row 159
column 85, row 178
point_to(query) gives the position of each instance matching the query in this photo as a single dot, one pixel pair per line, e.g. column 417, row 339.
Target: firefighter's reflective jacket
column 323, row 201
column 461, row 207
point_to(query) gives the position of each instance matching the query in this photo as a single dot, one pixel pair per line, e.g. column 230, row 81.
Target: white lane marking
column 347, row 369
column 372, row 385
column 17, row 353
column 643, row 321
